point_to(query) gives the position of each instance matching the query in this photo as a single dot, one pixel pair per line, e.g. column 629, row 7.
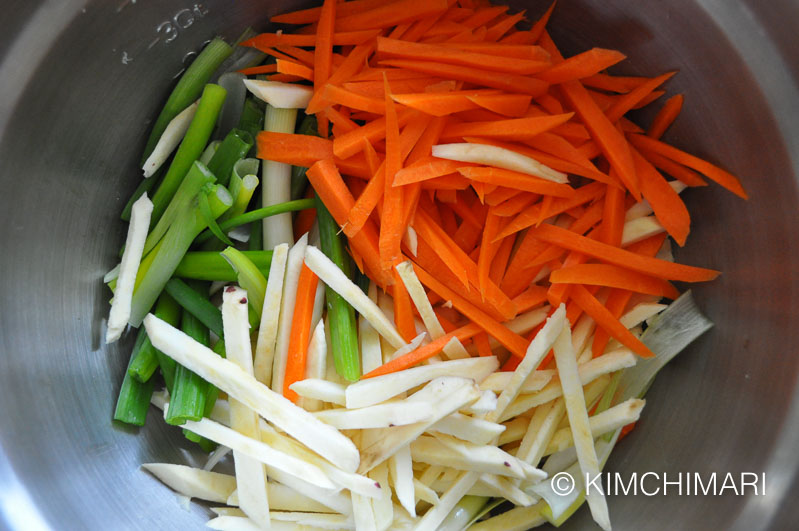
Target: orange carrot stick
column 615, row 277
column 667, row 205
column 666, row 116
column 300, row 331
column 271, row 40
column 391, row 14
column 688, row 176
column 311, row 15
column 391, row 220
column 294, row 69
column 519, row 181
column 403, row 311
column 538, row 28
column 515, row 128
column 582, row 65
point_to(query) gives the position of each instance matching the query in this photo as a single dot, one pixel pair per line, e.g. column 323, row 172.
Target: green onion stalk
column 189, row 88
column 190, row 149
column 210, row 265
column 343, row 331
column 157, row 270
column 147, row 359
column 233, row 148
column 255, row 215
column 134, row 396
column 249, row 277
column 196, row 304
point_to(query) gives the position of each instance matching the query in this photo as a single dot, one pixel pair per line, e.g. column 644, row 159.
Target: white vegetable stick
column 431, row 474
column 378, row 416
column 409, row 347
column 540, row 430
column 514, row 430
column 535, row 382
column 644, row 208
column 169, row 140
column 371, row 353
column 276, row 179
column 582, row 331
column 287, row 302
column 641, row 313
column 455, row 350
column 615, row 360
column 295, row 421
column 609, row 420
column 521, row 324
column 639, row 229
column 335, row 278
column 484, row 405
column 250, row 474
column 465, row 456
column 420, row 300
column 411, row 239
column 193, row 482
column 538, row 348
column 113, row 274
column 506, row 488
column 382, row 507
column 318, row 304
column 447, row 395
column 499, row 157
column 227, row 511
column 424, row 493
column 233, row 523
column 316, row 364
column 516, row 519
column 319, row 389
column 434, row 516
column 380, row 388
column 362, row 513
column 513, row 466
column 333, row 501
column 280, row 95
column 216, row 456
column 471, row 429
column 566, row 361
column 349, row 480
column 270, row 315
column 240, row 233
column 401, row 469
column 119, row 315
column 259, row 451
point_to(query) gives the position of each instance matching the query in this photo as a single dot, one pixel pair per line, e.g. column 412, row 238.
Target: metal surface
column 79, row 83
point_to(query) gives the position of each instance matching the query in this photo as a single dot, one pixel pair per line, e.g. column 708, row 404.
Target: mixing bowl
column 80, row 82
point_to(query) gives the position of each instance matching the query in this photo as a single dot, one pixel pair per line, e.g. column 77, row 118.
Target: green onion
column 146, row 360
column 210, row 265
column 188, row 88
column 209, row 152
column 197, row 177
column 156, row 271
column 171, row 308
column 252, row 117
column 195, row 304
column 341, row 315
column 233, row 148
column 190, row 148
column 243, row 182
column 189, row 390
column 256, row 242
column 144, row 186
column 249, row 277
column 299, row 181
column 210, row 220
column 276, row 179
column 261, row 213
column 134, row 397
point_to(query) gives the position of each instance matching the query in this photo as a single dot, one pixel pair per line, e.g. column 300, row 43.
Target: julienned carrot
column 498, row 30
column 352, row 64
column 449, row 254
column 516, row 344
column 437, row 104
column 515, row 204
column 582, row 65
column 431, row 52
column 613, row 215
column 351, row 143
column 516, row 180
column 515, row 128
column 311, row 15
column 403, row 310
column 424, row 352
column 294, row 69
column 614, row 255
column 271, row 40
column 366, row 203
column 256, row 70
column 590, row 305
column 391, row 220
column 666, row 116
column 511, row 105
column 300, row 331
column 500, row 263
column 667, row 205
column 686, row 175
column 341, row 123
column 558, row 146
column 618, row 84
column 295, row 149
column 615, row 277
column 711, row 171
column 500, row 195
column 323, row 56
column 424, row 169
column 629, row 101
column 487, row 251
column 538, row 28
column 341, row 96
column 386, row 15
column 509, row 82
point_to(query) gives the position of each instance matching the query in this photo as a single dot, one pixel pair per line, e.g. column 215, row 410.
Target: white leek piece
column 276, row 179
column 250, row 474
column 193, row 482
column 371, row 352
column 319, row 437
column 498, row 157
column 169, row 140
column 639, row 229
column 280, row 95
column 128, row 267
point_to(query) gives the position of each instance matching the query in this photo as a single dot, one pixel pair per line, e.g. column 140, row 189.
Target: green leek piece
column 261, row 213
column 188, row 88
column 147, row 359
column 249, row 277
column 233, row 148
column 343, row 330
column 190, row 149
column 210, row 265
column 196, row 304
column 134, row 396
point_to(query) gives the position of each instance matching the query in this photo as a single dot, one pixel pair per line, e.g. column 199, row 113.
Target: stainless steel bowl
column 80, row 82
